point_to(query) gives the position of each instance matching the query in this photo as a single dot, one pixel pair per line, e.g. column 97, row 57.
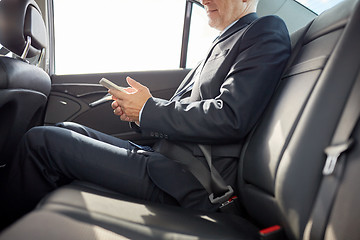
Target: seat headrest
column 20, row 19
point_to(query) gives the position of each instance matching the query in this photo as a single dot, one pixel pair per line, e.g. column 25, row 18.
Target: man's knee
column 33, row 141
column 69, row 125
column 38, row 137
column 33, row 135
column 74, row 127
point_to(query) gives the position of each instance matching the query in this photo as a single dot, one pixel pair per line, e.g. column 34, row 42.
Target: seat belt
column 220, row 192
column 334, row 166
column 208, row 176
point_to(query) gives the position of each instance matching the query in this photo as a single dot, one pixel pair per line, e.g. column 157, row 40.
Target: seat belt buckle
column 272, row 233
column 222, row 199
column 231, row 206
column 333, row 153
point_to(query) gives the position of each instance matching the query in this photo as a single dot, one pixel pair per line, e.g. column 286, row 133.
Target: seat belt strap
column 208, row 176
column 334, row 165
column 220, row 192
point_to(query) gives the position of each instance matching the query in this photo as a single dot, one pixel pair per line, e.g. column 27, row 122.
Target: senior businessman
column 216, row 105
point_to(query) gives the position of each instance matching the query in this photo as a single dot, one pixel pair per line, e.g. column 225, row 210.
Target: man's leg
column 51, row 156
column 89, row 132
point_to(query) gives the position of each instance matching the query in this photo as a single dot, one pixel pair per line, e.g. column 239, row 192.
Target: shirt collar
column 245, row 19
column 228, row 27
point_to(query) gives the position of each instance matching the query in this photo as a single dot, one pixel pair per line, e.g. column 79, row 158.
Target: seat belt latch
column 272, row 233
column 222, row 199
column 231, row 206
column 333, row 153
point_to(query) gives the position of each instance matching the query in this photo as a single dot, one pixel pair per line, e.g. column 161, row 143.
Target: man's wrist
column 140, row 114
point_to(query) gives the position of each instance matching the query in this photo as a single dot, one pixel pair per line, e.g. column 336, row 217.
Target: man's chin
column 214, row 25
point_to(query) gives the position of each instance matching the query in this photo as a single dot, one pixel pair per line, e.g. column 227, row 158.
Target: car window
column 318, row 6
column 126, row 35
column 4, row 51
column 117, row 35
column 201, row 36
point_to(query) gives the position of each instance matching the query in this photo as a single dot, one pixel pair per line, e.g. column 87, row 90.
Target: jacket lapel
column 186, row 82
column 241, row 23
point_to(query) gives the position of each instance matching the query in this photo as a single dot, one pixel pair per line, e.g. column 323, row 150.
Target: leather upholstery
column 24, row 88
column 19, row 19
column 15, row 74
column 280, row 168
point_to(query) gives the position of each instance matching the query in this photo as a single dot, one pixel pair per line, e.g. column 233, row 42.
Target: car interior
column 297, row 173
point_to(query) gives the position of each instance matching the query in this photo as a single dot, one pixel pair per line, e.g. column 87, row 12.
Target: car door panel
column 76, row 98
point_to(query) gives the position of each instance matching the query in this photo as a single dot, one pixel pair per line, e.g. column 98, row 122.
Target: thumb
column 134, row 84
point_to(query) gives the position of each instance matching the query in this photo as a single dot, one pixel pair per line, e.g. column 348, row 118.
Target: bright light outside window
column 117, row 35
column 201, row 36
column 318, row 6
column 8, row 54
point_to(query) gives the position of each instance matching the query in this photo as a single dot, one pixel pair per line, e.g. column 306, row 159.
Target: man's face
column 222, row 13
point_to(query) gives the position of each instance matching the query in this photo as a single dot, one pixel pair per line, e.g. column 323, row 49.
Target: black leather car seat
column 24, row 88
column 280, row 169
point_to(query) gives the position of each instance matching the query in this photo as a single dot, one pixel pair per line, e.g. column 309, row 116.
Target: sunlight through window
column 117, row 35
column 318, row 6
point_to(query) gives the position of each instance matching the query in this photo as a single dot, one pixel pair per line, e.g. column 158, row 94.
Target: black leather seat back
column 21, row 19
column 23, row 87
column 281, row 165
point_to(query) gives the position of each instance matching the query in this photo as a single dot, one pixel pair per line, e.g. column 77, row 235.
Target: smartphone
column 110, row 85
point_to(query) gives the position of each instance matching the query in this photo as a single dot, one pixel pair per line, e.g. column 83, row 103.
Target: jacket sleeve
column 244, row 92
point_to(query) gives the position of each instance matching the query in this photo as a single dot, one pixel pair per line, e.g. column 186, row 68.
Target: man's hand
column 128, row 105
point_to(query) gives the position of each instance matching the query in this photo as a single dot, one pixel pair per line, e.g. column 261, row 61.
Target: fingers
column 128, row 104
column 123, row 117
column 134, row 87
column 134, row 84
column 116, row 94
column 114, row 104
column 130, row 90
column 119, row 111
column 117, row 108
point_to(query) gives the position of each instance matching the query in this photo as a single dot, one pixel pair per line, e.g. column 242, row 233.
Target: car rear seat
column 280, row 167
column 24, row 88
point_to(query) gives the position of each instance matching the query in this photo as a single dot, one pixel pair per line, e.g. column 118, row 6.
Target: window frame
column 186, row 31
column 184, row 41
column 312, row 9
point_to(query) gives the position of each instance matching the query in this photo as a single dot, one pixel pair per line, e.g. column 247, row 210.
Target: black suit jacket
column 239, row 75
